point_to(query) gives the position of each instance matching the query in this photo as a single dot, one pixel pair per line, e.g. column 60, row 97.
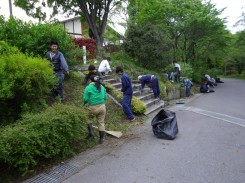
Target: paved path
column 210, row 147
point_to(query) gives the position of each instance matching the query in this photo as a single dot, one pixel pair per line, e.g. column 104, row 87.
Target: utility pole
column 10, row 9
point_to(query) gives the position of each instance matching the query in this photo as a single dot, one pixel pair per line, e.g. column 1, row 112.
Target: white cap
column 139, row 77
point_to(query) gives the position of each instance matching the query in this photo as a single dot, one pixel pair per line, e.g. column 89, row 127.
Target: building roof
column 70, row 19
column 79, row 17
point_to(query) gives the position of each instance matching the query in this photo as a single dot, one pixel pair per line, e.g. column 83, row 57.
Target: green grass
column 234, row 76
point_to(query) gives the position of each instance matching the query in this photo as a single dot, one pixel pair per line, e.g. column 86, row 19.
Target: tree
column 241, row 21
column 197, row 34
column 237, row 54
column 94, row 12
column 148, row 44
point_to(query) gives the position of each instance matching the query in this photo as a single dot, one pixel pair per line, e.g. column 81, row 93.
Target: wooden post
column 84, row 55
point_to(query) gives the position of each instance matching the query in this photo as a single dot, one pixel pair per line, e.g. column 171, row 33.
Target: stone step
column 107, row 77
column 136, row 93
column 83, row 67
column 111, row 81
column 136, row 82
column 117, row 85
column 146, row 96
column 154, row 108
column 151, row 102
column 145, row 91
column 136, row 86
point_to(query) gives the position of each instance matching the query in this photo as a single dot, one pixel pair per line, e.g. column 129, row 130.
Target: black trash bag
column 164, row 125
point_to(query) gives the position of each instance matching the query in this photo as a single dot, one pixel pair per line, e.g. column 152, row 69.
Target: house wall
column 74, row 27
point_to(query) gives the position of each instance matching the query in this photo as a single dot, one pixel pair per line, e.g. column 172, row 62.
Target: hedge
column 24, row 82
column 42, row 136
column 89, row 43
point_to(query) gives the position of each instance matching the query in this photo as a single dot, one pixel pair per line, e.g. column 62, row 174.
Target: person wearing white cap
column 150, row 80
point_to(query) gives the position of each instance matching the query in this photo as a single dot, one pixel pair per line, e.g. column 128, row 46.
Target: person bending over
column 152, row 81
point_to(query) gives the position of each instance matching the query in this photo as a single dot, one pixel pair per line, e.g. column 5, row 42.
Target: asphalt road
column 210, row 147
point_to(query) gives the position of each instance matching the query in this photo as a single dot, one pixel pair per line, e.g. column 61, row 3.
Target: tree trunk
column 99, row 46
column 96, row 21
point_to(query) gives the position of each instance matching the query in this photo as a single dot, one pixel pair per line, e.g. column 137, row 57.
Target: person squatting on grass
column 104, row 67
column 60, row 67
column 210, row 80
column 152, row 81
column 95, row 95
column 127, row 90
column 204, row 88
column 92, row 71
column 176, row 71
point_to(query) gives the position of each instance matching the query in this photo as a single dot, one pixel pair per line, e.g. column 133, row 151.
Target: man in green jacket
column 95, row 95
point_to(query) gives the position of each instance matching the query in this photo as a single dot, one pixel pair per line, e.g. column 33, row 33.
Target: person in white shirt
column 210, row 80
column 104, row 67
column 176, row 71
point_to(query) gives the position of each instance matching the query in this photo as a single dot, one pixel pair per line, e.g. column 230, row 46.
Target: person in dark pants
column 209, row 80
column 127, row 93
column 92, row 71
column 150, row 80
column 205, row 87
column 60, row 67
column 188, row 84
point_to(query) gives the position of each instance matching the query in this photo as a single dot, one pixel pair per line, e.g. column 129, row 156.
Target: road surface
column 210, row 147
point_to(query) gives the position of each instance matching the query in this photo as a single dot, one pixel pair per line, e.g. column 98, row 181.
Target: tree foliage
column 35, row 38
column 94, row 12
column 196, row 34
column 147, row 43
column 237, row 52
column 24, row 82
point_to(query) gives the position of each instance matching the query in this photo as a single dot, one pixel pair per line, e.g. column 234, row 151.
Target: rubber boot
column 90, row 131
column 102, row 137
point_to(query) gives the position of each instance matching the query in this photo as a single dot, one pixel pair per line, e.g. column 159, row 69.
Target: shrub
column 89, row 43
column 42, row 135
column 24, row 82
column 138, row 106
column 197, row 77
column 109, row 87
column 231, row 72
column 148, row 44
column 35, row 38
column 186, row 69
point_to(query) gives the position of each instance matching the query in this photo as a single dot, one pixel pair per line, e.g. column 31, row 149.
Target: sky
column 232, row 12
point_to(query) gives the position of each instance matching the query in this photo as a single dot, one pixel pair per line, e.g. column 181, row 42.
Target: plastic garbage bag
column 164, row 125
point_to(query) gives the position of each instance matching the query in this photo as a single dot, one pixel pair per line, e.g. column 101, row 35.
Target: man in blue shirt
column 127, row 93
column 152, row 81
column 60, row 67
